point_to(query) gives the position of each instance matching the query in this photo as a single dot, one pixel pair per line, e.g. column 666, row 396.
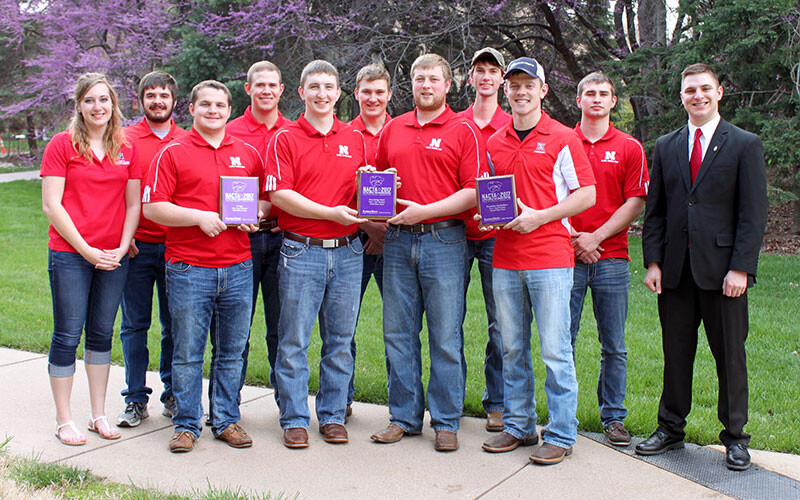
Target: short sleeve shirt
column 434, row 160
column 186, row 173
column 94, row 191
column 321, row 167
column 258, row 135
column 499, row 119
column 148, row 144
column 253, row 132
column 370, row 139
column 547, row 165
column 620, row 168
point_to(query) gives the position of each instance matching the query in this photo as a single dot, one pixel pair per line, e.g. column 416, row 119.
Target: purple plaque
column 376, row 195
column 497, row 200
column 238, row 200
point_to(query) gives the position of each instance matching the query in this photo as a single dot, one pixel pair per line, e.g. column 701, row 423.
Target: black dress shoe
column 658, row 443
column 737, row 457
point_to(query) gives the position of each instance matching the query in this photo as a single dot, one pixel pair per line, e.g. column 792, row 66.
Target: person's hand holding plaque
column 376, row 193
column 238, row 200
column 495, row 201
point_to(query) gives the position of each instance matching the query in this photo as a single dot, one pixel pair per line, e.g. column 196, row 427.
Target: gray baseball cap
column 492, row 53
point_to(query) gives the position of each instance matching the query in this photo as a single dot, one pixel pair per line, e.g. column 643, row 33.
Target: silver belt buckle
column 329, row 243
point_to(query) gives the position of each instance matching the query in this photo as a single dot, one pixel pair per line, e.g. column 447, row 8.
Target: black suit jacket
column 722, row 216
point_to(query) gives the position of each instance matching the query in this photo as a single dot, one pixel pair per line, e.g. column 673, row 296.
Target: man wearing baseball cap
column 533, row 262
column 486, row 76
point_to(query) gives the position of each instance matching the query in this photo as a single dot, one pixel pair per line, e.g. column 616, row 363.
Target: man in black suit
column 703, row 227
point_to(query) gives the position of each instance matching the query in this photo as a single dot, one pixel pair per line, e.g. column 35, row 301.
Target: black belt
column 317, row 242
column 267, row 224
column 426, row 228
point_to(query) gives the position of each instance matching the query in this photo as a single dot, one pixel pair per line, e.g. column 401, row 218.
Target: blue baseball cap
column 527, row 65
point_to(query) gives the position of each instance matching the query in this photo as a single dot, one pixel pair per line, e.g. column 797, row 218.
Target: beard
column 158, row 118
column 437, row 103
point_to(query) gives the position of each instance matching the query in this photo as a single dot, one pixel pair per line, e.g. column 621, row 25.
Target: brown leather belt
column 426, row 228
column 317, row 242
column 267, row 224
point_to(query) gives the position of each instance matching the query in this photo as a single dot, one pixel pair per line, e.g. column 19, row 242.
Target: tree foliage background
column 644, row 44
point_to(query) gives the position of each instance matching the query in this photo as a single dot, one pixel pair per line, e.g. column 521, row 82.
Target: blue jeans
column 316, row 281
column 373, row 266
column 548, row 291
column 265, row 247
column 424, row 273
column 198, row 295
column 147, row 268
column 609, row 280
column 83, row 298
column 482, row 251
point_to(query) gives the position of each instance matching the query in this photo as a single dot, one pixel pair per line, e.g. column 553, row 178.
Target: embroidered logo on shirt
column 122, row 161
column 146, row 195
column 343, row 151
column 436, row 144
column 236, row 162
column 610, row 157
column 540, row 147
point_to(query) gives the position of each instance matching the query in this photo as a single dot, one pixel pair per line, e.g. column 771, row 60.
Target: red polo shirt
column 620, row 167
column 147, row 145
column 253, row 132
column 186, row 172
column 320, row 167
column 433, row 160
column 499, row 118
column 370, row 139
column 94, row 192
column 258, row 135
column 547, row 166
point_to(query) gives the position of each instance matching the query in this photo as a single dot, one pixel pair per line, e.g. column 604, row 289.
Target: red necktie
column 697, row 155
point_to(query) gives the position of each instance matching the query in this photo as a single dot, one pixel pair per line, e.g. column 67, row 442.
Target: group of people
column 312, row 255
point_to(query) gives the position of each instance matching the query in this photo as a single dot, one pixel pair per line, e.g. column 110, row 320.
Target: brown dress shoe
column 295, row 437
column 549, row 454
column 504, row 442
column 334, row 433
column 446, row 441
column 236, row 437
column 391, row 434
column 181, row 442
column 494, row 421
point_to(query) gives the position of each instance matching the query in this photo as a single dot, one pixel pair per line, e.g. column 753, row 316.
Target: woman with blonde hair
column 90, row 194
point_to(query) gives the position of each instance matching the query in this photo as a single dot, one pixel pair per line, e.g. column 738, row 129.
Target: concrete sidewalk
column 26, row 175
column 360, row 469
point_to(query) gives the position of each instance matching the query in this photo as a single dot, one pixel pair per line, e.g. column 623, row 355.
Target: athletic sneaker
column 133, row 415
column 170, row 407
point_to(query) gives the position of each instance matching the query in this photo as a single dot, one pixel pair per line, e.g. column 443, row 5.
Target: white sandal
column 74, row 429
column 93, row 427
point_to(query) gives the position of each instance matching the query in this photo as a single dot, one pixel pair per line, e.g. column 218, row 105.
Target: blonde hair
column 372, row 72
column 113, row 136
column 263, row 66
column 319, row 66
column 431, row 61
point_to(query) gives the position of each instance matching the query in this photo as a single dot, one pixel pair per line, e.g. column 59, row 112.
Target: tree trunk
column 652, row 17
column 652, row 21
column 33, row 147
column 795, row 228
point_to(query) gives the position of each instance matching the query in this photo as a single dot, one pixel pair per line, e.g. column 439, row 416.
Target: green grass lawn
column 773, row 344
